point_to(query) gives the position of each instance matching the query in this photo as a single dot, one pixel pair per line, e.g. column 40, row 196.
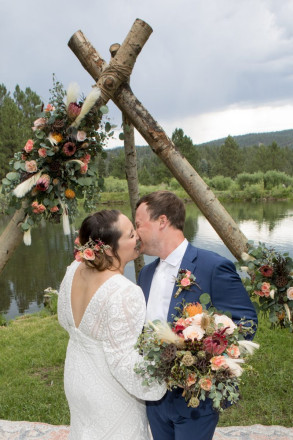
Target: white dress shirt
column 163, row 284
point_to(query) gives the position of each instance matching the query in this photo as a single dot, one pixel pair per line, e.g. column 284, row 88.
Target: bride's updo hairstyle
column 102, row 225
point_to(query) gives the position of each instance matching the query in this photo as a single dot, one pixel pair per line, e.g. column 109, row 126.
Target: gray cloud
column 202, row 56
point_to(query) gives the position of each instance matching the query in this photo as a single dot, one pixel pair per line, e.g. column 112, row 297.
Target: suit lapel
column 189, row 263
column 149, row 278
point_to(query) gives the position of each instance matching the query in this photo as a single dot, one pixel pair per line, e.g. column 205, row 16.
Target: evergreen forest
column 246, row 158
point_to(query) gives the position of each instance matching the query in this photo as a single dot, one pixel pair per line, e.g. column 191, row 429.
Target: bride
column 104, row 313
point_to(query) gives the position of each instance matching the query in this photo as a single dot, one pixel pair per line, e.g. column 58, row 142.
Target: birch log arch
column 157, row 139
column 113, row 81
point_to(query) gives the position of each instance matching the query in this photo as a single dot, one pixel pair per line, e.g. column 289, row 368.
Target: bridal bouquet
column 203, row 352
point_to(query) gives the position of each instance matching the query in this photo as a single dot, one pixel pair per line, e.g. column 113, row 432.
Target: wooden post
column 130, row 168
column 155, row 136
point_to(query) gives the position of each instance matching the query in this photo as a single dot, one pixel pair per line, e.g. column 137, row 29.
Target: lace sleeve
column 125, row 317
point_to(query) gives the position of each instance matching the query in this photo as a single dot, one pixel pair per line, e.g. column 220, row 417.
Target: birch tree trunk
column 132, row 178
column 130, row 168
column 11, row 237
column 155, row 136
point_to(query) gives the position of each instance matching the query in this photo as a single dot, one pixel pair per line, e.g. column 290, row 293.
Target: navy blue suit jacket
column 216, row 276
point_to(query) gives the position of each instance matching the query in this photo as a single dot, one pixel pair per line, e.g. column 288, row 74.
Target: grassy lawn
column 31, row 376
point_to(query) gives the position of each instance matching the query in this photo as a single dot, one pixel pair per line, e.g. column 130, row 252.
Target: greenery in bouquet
column 203, row 352
column 269, row 283
column 57, row 164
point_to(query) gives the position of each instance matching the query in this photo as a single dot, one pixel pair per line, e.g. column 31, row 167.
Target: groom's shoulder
column 203, row 254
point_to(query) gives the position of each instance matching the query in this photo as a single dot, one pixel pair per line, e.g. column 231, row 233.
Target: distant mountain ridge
column 283, row 138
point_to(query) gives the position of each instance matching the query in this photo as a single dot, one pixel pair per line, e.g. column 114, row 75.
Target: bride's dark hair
column 102, row 225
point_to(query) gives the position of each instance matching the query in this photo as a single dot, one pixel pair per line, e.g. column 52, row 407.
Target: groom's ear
column 163, row 221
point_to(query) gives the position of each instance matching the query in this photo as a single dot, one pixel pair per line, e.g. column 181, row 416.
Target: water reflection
column 33, row 269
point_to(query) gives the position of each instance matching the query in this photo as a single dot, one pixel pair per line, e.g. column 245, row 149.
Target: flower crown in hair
column 90, row 250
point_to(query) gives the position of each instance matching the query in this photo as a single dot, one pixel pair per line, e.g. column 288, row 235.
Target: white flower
column 81, row 136
column 272, row 293
column 193, row 332
column 223, row 321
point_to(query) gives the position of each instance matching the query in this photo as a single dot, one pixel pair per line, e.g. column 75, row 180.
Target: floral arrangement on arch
column 56, row 166
column 270, row 283
column 202, row 352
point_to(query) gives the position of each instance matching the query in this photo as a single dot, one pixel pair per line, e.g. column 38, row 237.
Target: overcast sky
column 211, row 67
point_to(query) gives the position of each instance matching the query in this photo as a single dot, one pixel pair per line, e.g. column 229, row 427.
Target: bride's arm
column 125, row 317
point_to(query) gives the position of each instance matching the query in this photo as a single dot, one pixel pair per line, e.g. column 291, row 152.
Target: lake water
column 32, row 269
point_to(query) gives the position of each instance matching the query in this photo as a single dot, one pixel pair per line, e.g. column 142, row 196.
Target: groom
column 160, row 218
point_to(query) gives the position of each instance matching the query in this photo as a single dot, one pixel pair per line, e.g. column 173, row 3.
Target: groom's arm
column 229, row 294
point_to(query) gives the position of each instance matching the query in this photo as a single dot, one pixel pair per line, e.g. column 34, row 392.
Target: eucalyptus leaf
column 17, row 165
column 6, row 181
column 12, row 176
column 205, row 298
column 25, row 226
column 104, row 109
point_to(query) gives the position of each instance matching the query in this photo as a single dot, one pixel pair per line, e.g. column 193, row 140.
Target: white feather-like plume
column 24, row 187
column 88, row 104
column 248, row 346
column 27, row 237
column 65, row 218
column 165, row 333
column 233, row 365
column 72, row 93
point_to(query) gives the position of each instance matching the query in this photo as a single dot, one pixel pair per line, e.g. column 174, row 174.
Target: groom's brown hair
column 165, row 203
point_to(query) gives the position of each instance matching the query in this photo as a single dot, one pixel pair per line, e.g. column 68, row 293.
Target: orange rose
column 205, row 383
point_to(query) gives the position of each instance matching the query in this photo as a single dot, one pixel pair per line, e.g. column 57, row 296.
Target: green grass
column 31, row 375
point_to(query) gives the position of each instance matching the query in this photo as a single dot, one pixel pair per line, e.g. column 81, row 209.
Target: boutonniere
column 185, row 280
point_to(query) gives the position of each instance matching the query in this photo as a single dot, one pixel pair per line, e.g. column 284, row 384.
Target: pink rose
column 290, row 293
column 78, row 256
column 218, row 362
column 84, row 168
column 188, row 273
column 88, row 254
column 233, row 351
column 49, row 108
column 41, row 208
column 86, row 158
column 185, row 282
column 54, row 208
column 205, row 383
column 31, row 166
column 265, row 288
column 29, row 146
column 39, row 124
column 42, row 152
column 81, row 136
column 180, row 325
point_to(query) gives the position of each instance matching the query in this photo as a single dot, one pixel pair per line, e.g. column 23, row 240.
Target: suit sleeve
column 228, row 293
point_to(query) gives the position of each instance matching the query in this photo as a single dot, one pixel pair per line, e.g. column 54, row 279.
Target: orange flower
column 69, row 193
column 57, row 136
column 193, row 309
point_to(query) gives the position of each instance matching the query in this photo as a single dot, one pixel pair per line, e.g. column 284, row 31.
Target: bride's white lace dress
column 105, row 396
